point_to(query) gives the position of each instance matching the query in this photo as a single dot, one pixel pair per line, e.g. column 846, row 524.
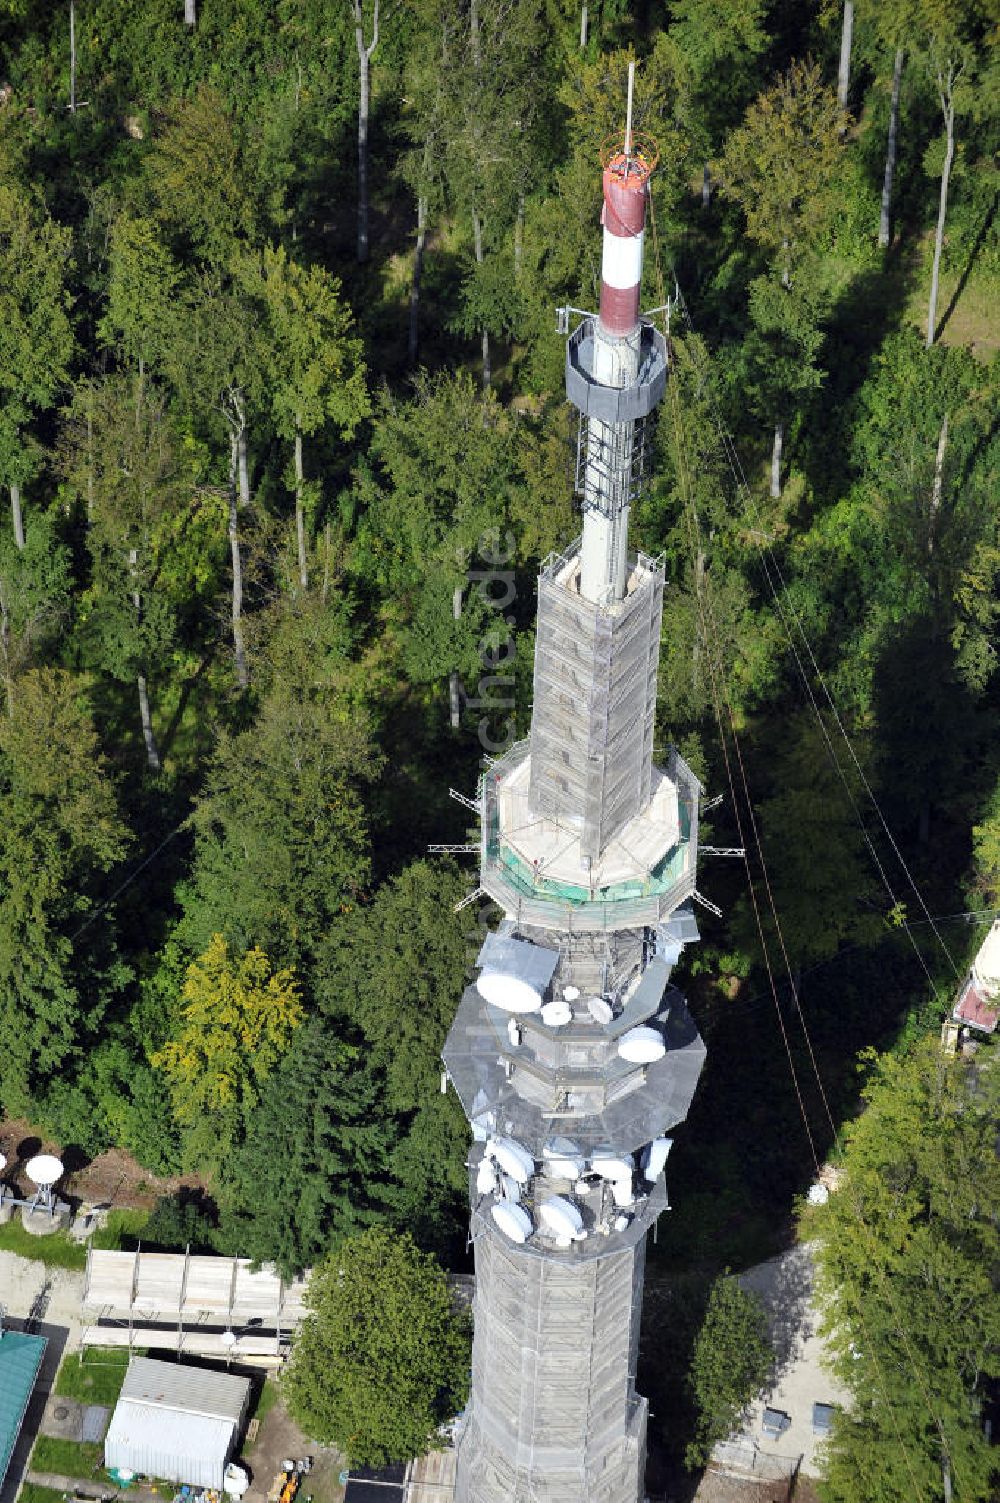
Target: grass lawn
column 70, row 1458
column 120, row 1225
column 266, row 1399
column 32, row 1493
column 95, row 1376
column 55, row 1251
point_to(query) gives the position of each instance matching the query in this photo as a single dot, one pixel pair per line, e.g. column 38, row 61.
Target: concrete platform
column 553, row 849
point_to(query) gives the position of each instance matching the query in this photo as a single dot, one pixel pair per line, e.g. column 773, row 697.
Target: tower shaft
column 572, row 1053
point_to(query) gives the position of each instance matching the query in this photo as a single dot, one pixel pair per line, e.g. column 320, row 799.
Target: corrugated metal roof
column 169, row 1443
column 20, row 1358
column 192, row 1390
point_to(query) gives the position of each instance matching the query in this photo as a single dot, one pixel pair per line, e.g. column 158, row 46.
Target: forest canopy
column 283, row 442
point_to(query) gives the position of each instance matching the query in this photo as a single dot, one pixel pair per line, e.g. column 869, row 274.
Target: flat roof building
column 176, row 1422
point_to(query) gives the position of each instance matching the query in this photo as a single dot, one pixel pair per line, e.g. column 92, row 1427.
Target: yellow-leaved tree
column 238, row 1017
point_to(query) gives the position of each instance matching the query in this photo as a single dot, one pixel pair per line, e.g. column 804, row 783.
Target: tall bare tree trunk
column 8, row 677
column 846, row 37
column 885, row 218
column 190, row 12
column 242, row 673
column 413, row 339
column 72, row 58
column 454, row 680
column 15, row 507
column 477, row 240
column 937, row 487
column 364, row 104
column 244, row 468
column 776, row 448
column 145, row 717
column 300, row 518
column 584, row 18
column 945, row 86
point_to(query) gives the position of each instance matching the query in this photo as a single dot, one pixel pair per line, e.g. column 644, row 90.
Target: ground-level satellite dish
column 508, row 992
column 43, row 1170
column 642, row 1046
column 513, row 1221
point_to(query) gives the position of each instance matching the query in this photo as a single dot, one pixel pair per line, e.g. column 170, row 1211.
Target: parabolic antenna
column 228, row 1338
column 609, row 1166
column 514, row 1221
column 508, row 992
column 642, row 1046
column 557, row 1014
column 561, row 1217
column 600, row 1011
column 43, row 1170
column 3, row 1162
column 512, row 1157
column 571, row 993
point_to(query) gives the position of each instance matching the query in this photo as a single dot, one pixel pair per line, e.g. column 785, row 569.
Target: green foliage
column 238, row 1016
column 730, row 1363
column 69, row 1458
column 36, row 339
column 281, row 838
column 56, row 1250
column 177, row 1222
column 94, row 1375
column 61, row 833
column 316, row 1154
column 382, row 1359
column 906, row 1249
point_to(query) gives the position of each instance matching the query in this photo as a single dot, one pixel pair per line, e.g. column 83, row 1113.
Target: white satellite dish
column 486, row 1178
column 655, row 1157
column 561, row 1218
column 508, row 992
column 600, row 1011
column 621, row 1222
column 818, row 1195
column 562, row 1168
column 509, row 1188
column 3, row 1162
column 642, row 1046
column 609, row 1166
column 228, row 1338
column 557, row 1014
column 513, row 1221
column 571, row 993
column 621, row 1191
column 43, row 1170
column 512, row 1158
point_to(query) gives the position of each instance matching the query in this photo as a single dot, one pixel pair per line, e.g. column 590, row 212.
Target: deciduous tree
column 382, row 1359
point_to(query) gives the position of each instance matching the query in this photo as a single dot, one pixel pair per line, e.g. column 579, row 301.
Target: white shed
column 176, row 1422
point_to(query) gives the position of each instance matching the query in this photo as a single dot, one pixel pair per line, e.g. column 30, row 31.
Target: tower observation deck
column 572, row 1053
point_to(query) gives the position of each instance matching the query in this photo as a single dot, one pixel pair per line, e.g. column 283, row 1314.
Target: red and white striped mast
column 613, row 355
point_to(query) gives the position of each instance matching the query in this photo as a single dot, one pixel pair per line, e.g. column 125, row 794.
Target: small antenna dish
column 600, row 1011
column 228, row 1338
column 571, row 993
column 43, row 1170
column 557, row 1014
column 3, row 1162
column 642, row 1046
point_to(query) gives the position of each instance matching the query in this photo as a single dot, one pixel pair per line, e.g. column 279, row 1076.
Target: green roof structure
column 20, row 1361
